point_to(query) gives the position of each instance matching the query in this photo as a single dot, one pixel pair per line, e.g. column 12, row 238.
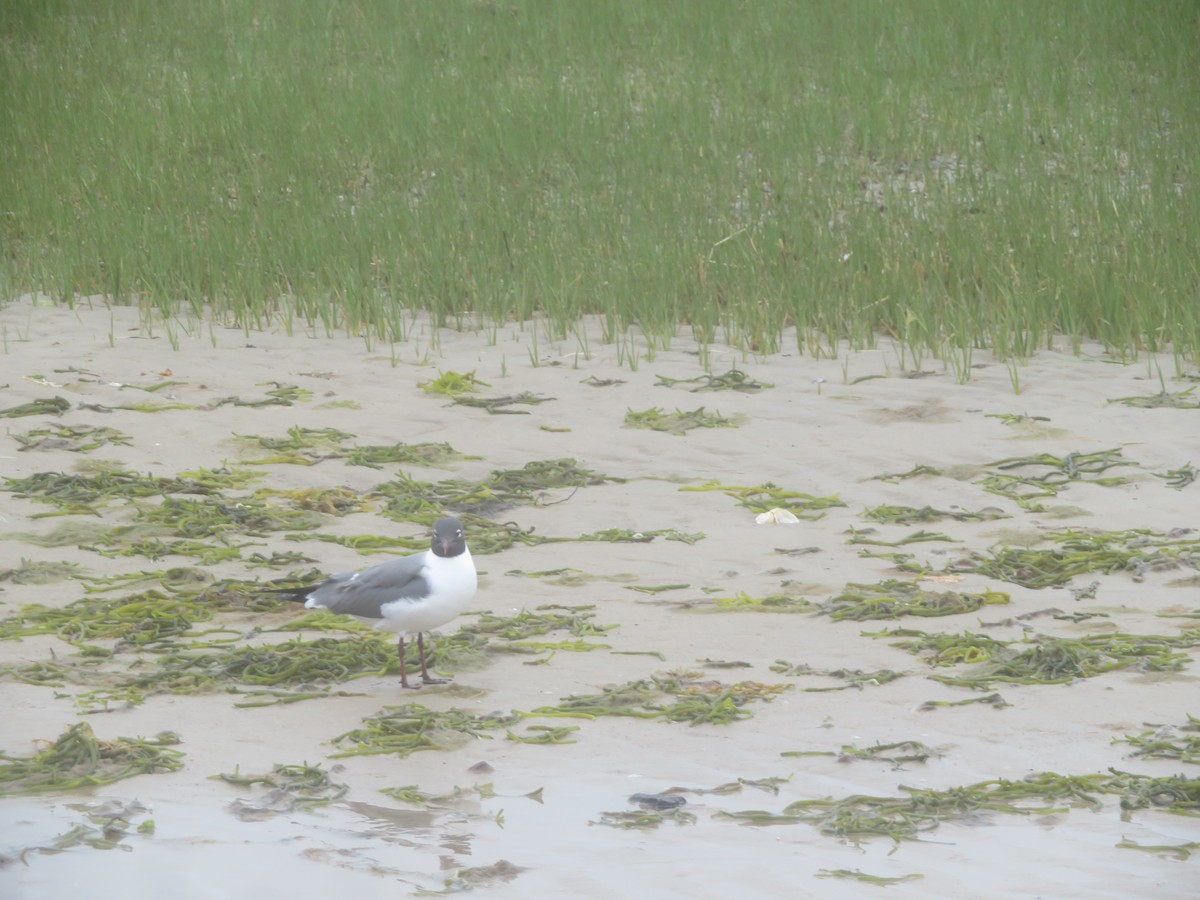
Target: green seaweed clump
column 499, row 405
column 914, row 472
column 743, row 602
column 733, row 380
column 212, row 518
column 1060, row 660
column 74, row 438
column 850, row 678
column 678, row 422
column 301, row 438
column 282, row 395
column 1027, row 489
column 410, row 500
column 41, row 572
column 1179, row 478
column 291, row 664
column 1081, row 552
column 546, row 734
column 1176, row 794
column 78, row 492
column 55, row 406
column 945, row 649
column 141, row 619
column 309, row 446
column 896, row 753
column 1051, row 660
column 993, row 700
column 765, row 497
column 674, row 697
column 290, row 787
column 859, row 875
column 1174, row 851
column 1162, row 400
column 1168, row 742
column 627, row 536
column 908, row 515
column 374, row 456
column 109, row 823
column 923, row 810
column 892, row 599
column 499, row 872
column 577, row 620
column 646, row 819
column 406, row 729
column 79, row 759
column 334, row 501
column 452, row 384
column 261, row 675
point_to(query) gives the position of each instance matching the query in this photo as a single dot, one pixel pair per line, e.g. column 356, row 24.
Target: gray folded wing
column 364, row 593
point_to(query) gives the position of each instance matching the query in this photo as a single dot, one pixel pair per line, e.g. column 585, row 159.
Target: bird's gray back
column 364, row 593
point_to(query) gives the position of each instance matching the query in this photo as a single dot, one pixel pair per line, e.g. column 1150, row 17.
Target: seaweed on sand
column 1168, row 742
column 733, row 380
column 417, row 501
column 764, row 497
column 406, row 729
column 1026, row 490
column 79, row 759
column 1084, row 551
column 1047, row 660
column 678, row 422
column 74, row 438
column 673, row 696
column 923, row 810
column 892, row 599
column 289, row 787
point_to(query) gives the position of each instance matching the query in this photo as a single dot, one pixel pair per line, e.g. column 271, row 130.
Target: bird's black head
column 448, row 537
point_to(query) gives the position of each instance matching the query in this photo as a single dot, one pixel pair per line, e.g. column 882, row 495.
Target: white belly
column 456, row 582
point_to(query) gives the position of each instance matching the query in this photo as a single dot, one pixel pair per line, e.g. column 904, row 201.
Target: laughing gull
column 405, row 595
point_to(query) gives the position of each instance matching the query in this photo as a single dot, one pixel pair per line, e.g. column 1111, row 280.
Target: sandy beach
column 830, row 427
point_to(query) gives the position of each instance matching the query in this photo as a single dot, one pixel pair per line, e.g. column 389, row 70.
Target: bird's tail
column 295, row 594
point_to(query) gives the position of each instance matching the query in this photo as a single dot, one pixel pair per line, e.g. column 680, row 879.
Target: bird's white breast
column 452, row 582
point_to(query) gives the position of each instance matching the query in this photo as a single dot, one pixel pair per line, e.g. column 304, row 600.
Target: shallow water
column 202, row 850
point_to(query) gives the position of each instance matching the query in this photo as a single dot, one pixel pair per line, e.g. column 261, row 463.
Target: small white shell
column 777, row 516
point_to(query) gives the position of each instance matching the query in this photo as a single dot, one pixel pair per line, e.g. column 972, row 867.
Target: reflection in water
column 519, row 846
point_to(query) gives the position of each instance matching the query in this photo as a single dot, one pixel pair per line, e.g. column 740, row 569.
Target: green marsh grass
column 951, row 174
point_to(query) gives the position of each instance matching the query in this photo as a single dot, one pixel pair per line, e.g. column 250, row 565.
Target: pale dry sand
column 815, row 431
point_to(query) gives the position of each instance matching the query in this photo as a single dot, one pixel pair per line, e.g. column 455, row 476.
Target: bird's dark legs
column 426, row 678
column 403, row 667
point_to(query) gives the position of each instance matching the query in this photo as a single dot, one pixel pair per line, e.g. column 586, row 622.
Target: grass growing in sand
column 979, row 176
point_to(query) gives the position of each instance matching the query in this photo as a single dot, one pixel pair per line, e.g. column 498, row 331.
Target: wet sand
column 821, row 429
